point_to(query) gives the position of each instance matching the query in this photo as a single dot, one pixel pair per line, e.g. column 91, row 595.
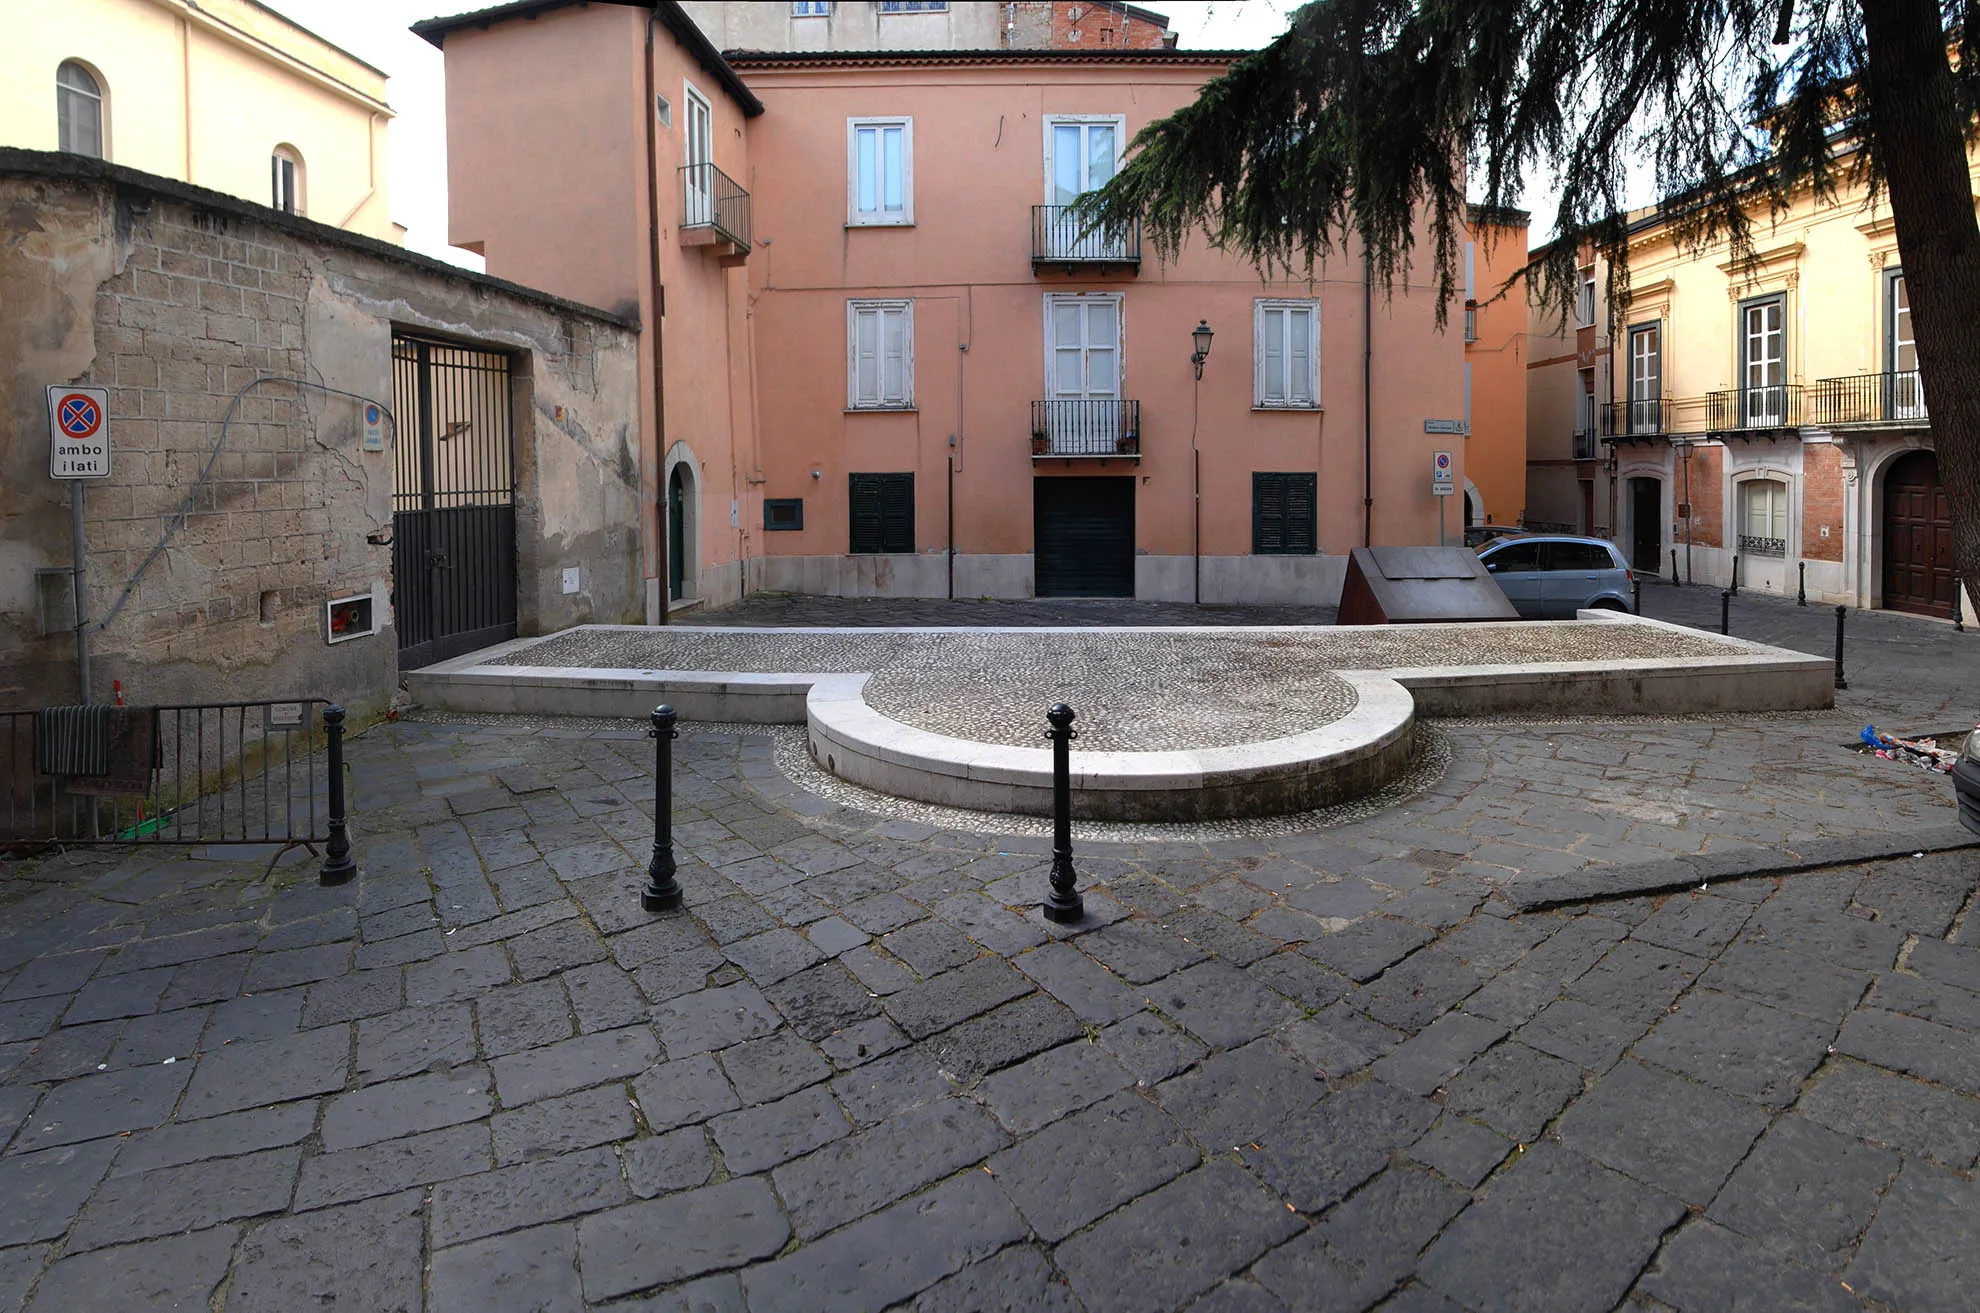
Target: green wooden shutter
column 897, row 513
column 865, row 505
column 1268, row 514
column 882, row 513
column 1284, row 518
column 1302, row 516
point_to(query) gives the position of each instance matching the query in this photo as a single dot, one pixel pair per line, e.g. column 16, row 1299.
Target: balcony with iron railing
column 1892, row 398
column 715, row 210
column 1089, row 428
column 1585, row 447
column 1763, row 410
column 1623, row 421
column 1060, row 239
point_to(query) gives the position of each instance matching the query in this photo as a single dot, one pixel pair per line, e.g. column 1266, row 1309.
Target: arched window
column 78, row 110
column 285, row 175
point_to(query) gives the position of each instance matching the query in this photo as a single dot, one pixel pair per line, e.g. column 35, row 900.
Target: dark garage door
column 1084, row 532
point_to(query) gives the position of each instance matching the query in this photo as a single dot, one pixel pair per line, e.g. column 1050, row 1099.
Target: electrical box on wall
column 349, row 617
column 571, row 579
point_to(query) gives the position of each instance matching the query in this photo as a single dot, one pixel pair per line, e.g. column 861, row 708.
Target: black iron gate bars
column 193, row 774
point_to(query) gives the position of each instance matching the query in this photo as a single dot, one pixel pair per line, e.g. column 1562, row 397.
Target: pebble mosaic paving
column 1136, row 690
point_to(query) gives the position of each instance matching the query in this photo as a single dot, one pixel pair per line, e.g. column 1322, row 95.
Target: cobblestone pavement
column 1332, row 1070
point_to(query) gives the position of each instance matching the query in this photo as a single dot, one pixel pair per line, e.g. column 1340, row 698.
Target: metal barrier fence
column 218, row 773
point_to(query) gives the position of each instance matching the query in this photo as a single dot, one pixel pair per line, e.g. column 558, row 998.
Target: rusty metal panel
column 1420, row 585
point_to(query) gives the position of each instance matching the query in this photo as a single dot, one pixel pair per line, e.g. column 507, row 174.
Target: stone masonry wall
column 197, row 313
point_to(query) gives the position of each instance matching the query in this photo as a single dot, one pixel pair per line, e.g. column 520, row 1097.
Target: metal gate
column 453, row 504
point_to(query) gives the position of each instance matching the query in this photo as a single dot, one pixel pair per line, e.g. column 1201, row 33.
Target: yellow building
column 1762, row 417
column 223, row 94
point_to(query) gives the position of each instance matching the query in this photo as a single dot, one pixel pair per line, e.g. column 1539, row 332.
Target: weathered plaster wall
column 196, row 311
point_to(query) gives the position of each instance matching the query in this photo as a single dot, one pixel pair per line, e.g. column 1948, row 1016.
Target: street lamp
column 1201, row 336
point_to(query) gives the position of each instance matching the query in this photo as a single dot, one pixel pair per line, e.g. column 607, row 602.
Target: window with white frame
column 811, row 8
column 879, row 355
column 879, row 171
column 285, row 179
column 1286, row 355
column 1646, row 378
column 1584, row 302
column 78, row 110
column 1763, row 517
column 913, row 6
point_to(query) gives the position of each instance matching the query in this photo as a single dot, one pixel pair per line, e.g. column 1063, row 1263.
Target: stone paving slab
column 1351, row 1067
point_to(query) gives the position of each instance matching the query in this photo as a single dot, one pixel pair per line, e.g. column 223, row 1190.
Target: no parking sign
column 78, row 433
column 1443, row 479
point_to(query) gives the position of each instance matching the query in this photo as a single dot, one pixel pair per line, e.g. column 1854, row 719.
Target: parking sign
column 78, row 433
column 1443, row 480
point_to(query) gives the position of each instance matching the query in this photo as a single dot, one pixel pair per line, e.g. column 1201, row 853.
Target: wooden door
column 1918, row 559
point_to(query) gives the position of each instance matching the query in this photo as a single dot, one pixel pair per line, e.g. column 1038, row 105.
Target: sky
column 376, row 31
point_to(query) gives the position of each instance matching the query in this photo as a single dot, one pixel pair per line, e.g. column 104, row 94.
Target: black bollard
column 663, row 891
column 1841, row 613
column 1675, row 581
column 1636, row 592
column 1801, row 587
column 1735, row 587
column 1062, row 904
column 338, row 868
column 1725, row 611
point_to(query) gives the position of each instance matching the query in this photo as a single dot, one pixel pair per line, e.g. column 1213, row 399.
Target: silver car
column 1550, row 577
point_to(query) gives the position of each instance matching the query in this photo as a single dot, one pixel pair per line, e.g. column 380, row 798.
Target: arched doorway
column 1470, row 509
column 1918, row 556
column 680, row 535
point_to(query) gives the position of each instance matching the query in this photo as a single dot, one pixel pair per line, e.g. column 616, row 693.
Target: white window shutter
column 893, row 362
column 866, row 365
column 1470, row 262
column 1274, row 356
column 1299, row 356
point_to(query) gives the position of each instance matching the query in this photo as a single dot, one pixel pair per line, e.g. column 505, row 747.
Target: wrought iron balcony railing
column 1649, row 418
column 1752, row 546
column 1774, row 406
column 1892, row 398
column 1090, row 427
column 1058, row 237
column 713, row 206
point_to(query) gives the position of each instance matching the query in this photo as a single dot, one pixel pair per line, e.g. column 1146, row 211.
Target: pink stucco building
column 875, row 359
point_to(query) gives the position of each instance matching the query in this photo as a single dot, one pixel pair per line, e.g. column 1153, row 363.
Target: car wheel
column 1607, row 604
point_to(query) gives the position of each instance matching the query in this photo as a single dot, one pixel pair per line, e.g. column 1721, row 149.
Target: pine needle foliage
column 1359, row 131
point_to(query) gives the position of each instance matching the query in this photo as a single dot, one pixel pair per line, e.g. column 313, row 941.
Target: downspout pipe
column 1367, row 399
column 651, row 329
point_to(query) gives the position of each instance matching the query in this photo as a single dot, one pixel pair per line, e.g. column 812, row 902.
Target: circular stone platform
column 1176, row 724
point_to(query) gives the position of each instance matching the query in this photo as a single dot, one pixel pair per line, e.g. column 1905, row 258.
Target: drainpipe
column 1687, row 513
column 1368, row 400
column 1196, row 491
column 651, row 330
